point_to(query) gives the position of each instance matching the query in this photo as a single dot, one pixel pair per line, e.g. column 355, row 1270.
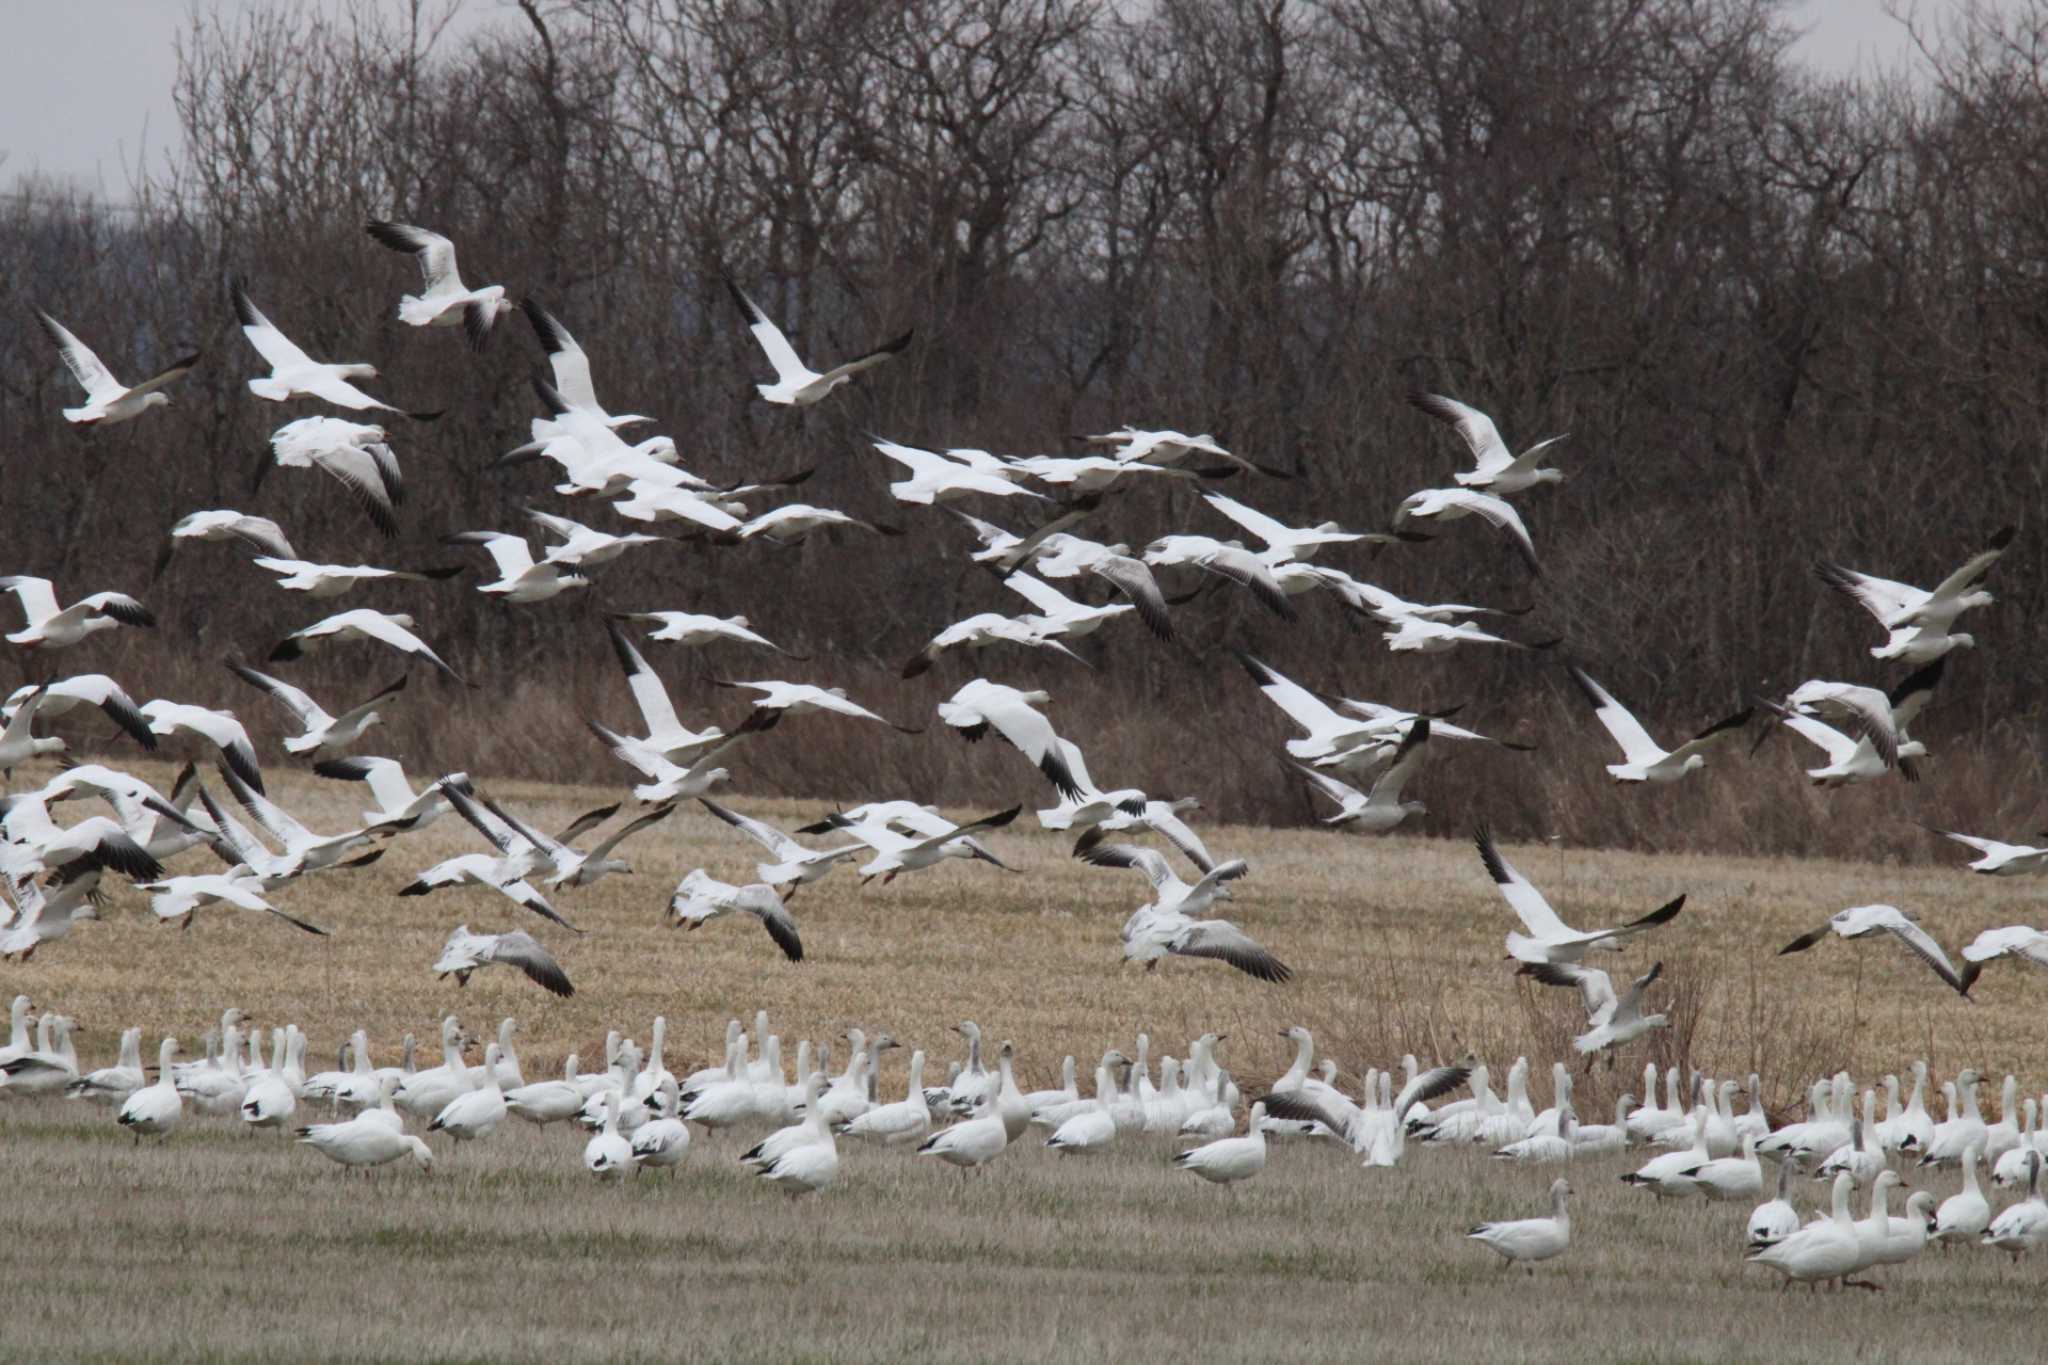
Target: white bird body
column 294, row 373
column 1823, row 1250
column 1229, row 1160
column 107, row 399
column 391, row 629
column 1498, row 469
column 47, row 626
column 1532, row 1239
column 1451, row 504
column 446, row 301
column 796, row 384
column 906, row 1120
column 474, row 1114
column 1549, row 939
column 154, row 1110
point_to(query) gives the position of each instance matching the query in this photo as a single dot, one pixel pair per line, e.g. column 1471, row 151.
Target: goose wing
column 1868, row 919
column 778, row 844
column 571, row 366
column 1093, row 849
column 1223, row 940
column 1595, row 987
column 1131, row 578
column 1628, row 732
column 648, row 693
column 270, row 343
column 91, row 373
column 788, row 368
column 310, row 714
column 2018, row 940
column 520, row 949
column 38, row 596
column 1972, row 571
column 1474, row 428
column 869, row 360
column 1387, row 790
column 1520, row 893
column 759, row 900
column 1302, row 706
column 435, row 253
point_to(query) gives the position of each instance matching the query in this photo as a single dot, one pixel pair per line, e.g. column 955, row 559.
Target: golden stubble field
column 240, row 1246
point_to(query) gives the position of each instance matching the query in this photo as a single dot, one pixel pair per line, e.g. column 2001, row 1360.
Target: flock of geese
column 1360, row 756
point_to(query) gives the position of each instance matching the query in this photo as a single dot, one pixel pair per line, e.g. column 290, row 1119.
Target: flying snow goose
column 938, row 839
column 1381, row 809
column 18, row 741
column 1285, row 542
column 1152, row 933
column 1002, row 552
column 1169, row 891
column 293, row 372
column 1612, row 1020
column 1865, row 710
column 792, row 524
column 1418, row 636
column 519, row 578
column 1328, row 732
column 794, row 864
column 570, row 866
column 48, row 627
column 154, row 1110
column 1061, row 614
column 1643, row 759
column 1549, row 938
column 667, row 781
column 1449, row 504
column 84, row 689
column 1369, row 599
column 1859, row 921
column 1167, row 447
column 175, row 898
column 485, row 869
column 354, row 454
column 936, row 478
column 1162, row 817
column 571, row 366
column 981, row 705
column 322, row 732
column 1098, row 473
column 1233, row 563
column 304, row 851
column 107, row 399
column 392, row 629
column 1996, row 859
column 688, row 628
column 466, row 952
column 45, row 915
column 1498, row 469
column 447, row 301
column 260, row 534
column 1531, row 1239
column 980, row 631
column 1086, row 805
column 1061, row 555
column 796, row 384
column 1919, row 620
column 221, row 729
column 332, row 580
column 2018, row 940
column 1851, row 758
column 398, row 806
column 1229, row 1160
column 796, row 699
column 700, row 898
column 582, row 547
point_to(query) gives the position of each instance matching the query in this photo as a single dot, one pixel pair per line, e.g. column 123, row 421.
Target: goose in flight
column 519, row 578
column 332, row 580
column 1328, row 732
column 175, row 898
column 571, row 367
column 1231, row 561
column 581, row 547
column 1153, row 933
column 795, row 864
column 43, row 915
column 1002, row 552
column 65, row 695
column 1058, row 613
column 393, row 630
column 486, row 869
column 522, row 851
column 570, row 866
column 795, row 699
column 321, row 732
column 1369, row 599
column 1284, row 541
column 107, row 399
column 1859, row 921
column 667, row 736
column 1918, row 620
column 1995, row 859
column 293, row 372
column 1449, row 504
column 1498, row 470
column 982, row 630
column 667, row 781
column 1381, row 809
column 1171, row 447
column 936, row 838
column 1865, row 710
column 304, row 851
column 796, row 384
column 792, row 524
column 398, row 806
column 49, row 627
column 1643, row 760
column 466, row 952
column 936, row 478
column 260, row 534
column 981, row 705
column 1851, row 758
column 1549, row 938
column 1418, row 636
column 219, row 728
column 35, row 841
column 18, row 742
column 2017, row 940
column 356, row 455
column 1169, row 892
column 700, row 898
column 1612, row 1020
column 447, row 300
column 1098, row 473
column 1087, row 805
column 690, row 628
column 1060, row 555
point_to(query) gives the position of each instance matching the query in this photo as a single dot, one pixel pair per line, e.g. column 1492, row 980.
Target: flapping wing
column 273, row 345
column 1131, row 578
column 1595, row 987
column 778, row 844
column 788, row 368
column 1223, row 940
column 1636, row 744
column 435, row 253
column 565, row 356
column 648, row 693
column 1474, row 428
column 520, row 949
column 309, row 712
column 91, row 373
column 1519, row 892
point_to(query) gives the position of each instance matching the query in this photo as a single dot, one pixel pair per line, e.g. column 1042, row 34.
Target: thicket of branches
column 1780, row 316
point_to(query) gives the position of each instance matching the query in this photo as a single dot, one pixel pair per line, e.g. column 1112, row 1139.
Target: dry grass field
column 224, row 1245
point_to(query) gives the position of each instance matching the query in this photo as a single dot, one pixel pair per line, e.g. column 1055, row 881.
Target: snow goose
column 113, row 1084
column 700, row 898
column 485, row 869
column 811, row 1129
column 581, row 547
column 564, row 865
column 792, row 524
column 64, row 695
column 1450, row 504
column 259, row 534
column 806, row 1169
column 1919, row 620
column 399, row 807
column 1826, row 1249
column 1170, row 893
column 1964, row 1216
column 97, row 841
column 687, row 628
column 270, row 1098
column 1964, row 1128
column 304, row 851
column 1384, row 1140
column 1643, row 759
column 1612, row 1020
column 1874, row 1231
column 1417, row 636
column 935, row 840
column 2017, row 940
column 466, row 952
column 392, row 629
column 1550, row 939
column 1286, row 542
column 294, row 373
column 1060, row 555
column 2003, row 1136
column 1328, row 731
column 977, row 1141
column 571, row 366
column 1996, row 859
column 1167, row 447
column 2010, row 1167
column 1497, row 469
column 107, row 399
column 1589, row 1138
column 1730, row 1177
column 426, row 1093
column 45, row 915
column 50, row 1068
column 1912, row 1127
column 796, row 699
column 981, row 705
column 1857, row 1156
column 1774, row 1220
column 154, row 1110
column 1003, row 552
column 322, row 732
column 545, row 1102
column 356, row 455
column 369, row 1139
column 1880, row 742
column 979, row 632
column 1860, row 921
column 1382, row 808
column 907, row 1120
column 446, row 301
column 668, row 781
column 1531, row 1239
column 1227, row 1161
column 474, row 1114
column 796, row 384
column 221, row 729
column 519, row 580
column 49, row 627
column 795, row 864
column 1059, row 614
column 1093, row 1127
column 1228, row 560
column 661, row 1143
column 666, row 736
column 936, row 477
column 1559, row 1144
column 1086, row 805
column 332, row 580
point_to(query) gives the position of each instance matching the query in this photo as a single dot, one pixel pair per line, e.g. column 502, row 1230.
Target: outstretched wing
column 91, row 373
column 1519, row 892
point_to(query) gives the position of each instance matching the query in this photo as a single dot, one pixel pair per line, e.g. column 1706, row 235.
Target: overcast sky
column 86, row 84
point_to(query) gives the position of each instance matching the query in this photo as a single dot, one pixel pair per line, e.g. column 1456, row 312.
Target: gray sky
column 87, row 83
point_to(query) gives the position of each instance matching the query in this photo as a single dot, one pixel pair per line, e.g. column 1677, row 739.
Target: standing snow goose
column 1498, row 469
column 355, row 455
column 1995, row 859
column 1775, row 1220
column 447, row 301
column 1549, row 938
column 1919, row 620
column 808, row 1168
column 1381, row 1135
column 1227, row 1161
column 700, row 898
column 981, row 705
column 270, row 1098
column 1643, row 759
column 259, row 534
column 369, row 1139
column 1449, row 504
column 466, row 952
column 1531, row 1239
column 1089, row 1125
column 65, row 695
column 332, row 580
column 1859, row 921
column 107, row 399
column 394, row 630
column 113, row 1084
column 154, row 1110
column 1612, row 1020
column 907, row 1120
column 51, row 1068
column 687, row 628
column 796, row 384
column 545, row 1102
column 2022, row 1226
column 1912, row 1127
column 398, row 806
column 477, row 1113
column 796, row 699
column 1731, row 1177
column 794, row 864
column 1964, row 1126
column 1963, row 1217
column 48, row 627
column 976, row 1141
column 293, row 372
column 519, row 579
column 321, row 732
column 1382, row 808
